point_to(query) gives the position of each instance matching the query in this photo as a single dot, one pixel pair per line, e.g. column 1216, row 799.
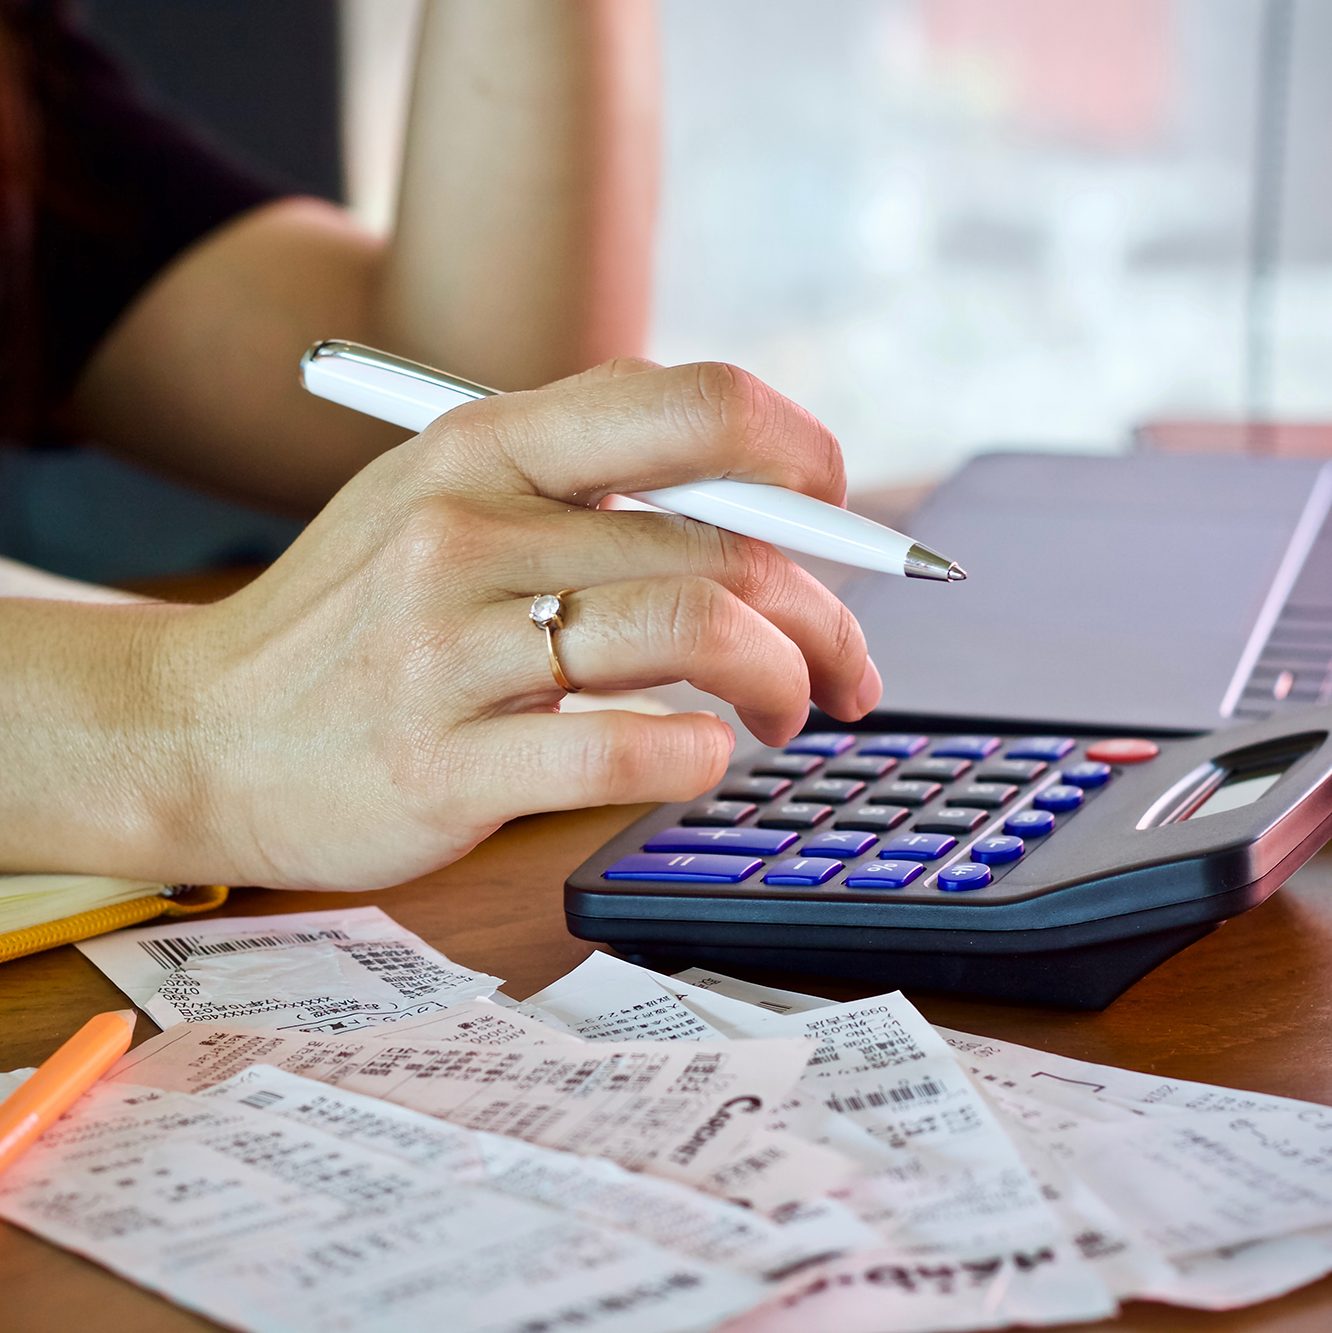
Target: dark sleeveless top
column 116, row 189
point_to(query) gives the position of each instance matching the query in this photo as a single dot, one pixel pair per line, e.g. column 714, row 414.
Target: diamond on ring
column 545, row 612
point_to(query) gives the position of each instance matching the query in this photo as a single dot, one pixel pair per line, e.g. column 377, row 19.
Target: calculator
column 1056, row 869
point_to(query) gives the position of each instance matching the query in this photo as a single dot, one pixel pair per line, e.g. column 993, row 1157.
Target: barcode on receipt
column 262, row 1098
column 875, row 1097
column 172, row 951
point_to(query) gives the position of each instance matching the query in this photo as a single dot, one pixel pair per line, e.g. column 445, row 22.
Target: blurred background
column 941, row 225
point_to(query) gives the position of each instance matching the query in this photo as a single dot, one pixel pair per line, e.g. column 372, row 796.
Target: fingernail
column 870, row 690
column 707, row 712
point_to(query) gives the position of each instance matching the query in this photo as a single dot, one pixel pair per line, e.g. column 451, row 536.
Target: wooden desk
column 1248, row 1007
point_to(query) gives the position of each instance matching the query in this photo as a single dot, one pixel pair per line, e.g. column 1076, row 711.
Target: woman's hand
column 379, row 700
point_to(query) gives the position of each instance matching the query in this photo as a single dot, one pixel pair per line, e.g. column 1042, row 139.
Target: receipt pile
column 350, row 1131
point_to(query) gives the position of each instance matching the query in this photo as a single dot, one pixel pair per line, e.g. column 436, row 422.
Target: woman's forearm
column 524, row 227
column 95, row 739
column 522, row 253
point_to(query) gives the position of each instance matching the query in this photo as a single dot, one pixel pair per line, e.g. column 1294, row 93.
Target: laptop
column 1144, row 591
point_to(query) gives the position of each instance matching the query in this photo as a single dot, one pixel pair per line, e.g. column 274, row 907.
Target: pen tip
column 956, row 573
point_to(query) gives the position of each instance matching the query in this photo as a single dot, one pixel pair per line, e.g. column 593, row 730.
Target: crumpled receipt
column 332, row 986
column 339, row 971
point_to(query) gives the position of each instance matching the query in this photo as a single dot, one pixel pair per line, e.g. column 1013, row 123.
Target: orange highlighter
column 61, row 1080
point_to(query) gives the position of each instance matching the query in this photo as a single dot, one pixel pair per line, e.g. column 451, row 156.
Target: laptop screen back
column 1110, row 591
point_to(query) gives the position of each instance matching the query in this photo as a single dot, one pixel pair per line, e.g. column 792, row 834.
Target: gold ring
column 547, row 613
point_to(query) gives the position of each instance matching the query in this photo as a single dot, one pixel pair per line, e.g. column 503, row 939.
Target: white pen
column 412, row 396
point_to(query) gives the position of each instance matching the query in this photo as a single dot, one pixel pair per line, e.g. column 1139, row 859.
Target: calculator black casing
column 1094, row 910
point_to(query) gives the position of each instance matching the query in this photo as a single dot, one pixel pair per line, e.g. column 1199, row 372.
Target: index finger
column 608, row 432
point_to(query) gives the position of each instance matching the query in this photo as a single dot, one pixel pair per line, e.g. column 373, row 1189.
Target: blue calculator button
column 896, row 744
column 1087, row 774
column 966, row 747
column 1030, row 824
column 884, row 875
column 843, row 842
column 965, row 875
column 821, row 742
column 998, row 850
column 918, row 846
column 802, row 870
column 727, row 841
column 1048, row 748
column 683, row 868
column 1059, row 799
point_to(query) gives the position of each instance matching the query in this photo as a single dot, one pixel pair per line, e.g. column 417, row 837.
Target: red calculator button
column 1123, row 751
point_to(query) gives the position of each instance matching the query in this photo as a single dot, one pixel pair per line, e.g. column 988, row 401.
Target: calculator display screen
column 1236, row 790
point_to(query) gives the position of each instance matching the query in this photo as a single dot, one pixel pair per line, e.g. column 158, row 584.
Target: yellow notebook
column 41, row 911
